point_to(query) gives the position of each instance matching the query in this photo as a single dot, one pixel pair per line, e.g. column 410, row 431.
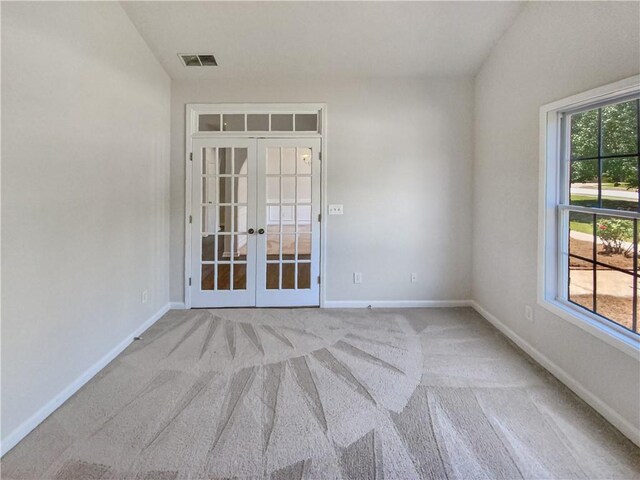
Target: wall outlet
column 336, row 210
column 145, row 296
column 528, row 313
column 414, row 277
column 357, row 277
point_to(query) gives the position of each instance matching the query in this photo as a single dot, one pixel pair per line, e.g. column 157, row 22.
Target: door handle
column 261, row 231
column 251, row 231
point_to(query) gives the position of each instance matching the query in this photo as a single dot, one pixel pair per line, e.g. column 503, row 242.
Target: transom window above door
column 259, row 122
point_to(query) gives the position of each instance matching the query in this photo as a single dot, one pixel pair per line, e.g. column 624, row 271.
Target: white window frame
column 552, row 270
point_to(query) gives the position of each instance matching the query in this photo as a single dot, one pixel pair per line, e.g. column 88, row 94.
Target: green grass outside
column 583, row 222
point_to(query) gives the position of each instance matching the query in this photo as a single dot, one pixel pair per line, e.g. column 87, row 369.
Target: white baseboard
column 395, row 303
column 32, row 422
column 628, row 429
column 176, row 306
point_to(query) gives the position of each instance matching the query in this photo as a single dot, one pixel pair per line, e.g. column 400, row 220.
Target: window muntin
column 599, row 218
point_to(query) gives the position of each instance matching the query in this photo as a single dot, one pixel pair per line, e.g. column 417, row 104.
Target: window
column 590, row 209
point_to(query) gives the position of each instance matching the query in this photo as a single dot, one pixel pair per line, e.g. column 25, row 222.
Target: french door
column 255, row 230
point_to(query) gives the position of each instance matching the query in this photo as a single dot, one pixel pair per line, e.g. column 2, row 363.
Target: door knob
column 261, row 231
column 251, row 231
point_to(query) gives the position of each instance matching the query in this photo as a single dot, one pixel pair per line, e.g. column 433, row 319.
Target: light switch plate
column 336, row 210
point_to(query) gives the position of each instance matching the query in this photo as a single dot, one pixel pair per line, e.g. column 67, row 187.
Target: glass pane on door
column 288, row 204
column 224, row 226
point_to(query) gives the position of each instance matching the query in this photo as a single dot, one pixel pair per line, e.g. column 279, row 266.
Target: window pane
column 224, row 161
column 288, row 276
column 288, row 161
column 208, row 248
column 208, row 277
column 614, row 295
column 273, row 276
column 581, row 269
column 209, row 123
column 258, row 122
column 282, row 122
column 239, row 276
column 208, row 161
column 584, row 183
column 288, row 246
column 620, row 183
column 304, row 190
column 584, row 134
column 304, row 275
column 619, row 128
column 304, row 161
column 224, row 277
column 273, row 161
column 307, row 122
column 615, row 242
column 233, row 122
column 273, row 246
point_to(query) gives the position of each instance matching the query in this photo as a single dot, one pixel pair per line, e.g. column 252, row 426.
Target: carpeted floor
column 323, row 394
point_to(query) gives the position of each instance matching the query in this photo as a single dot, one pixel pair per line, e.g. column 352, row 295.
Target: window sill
column 618, row 337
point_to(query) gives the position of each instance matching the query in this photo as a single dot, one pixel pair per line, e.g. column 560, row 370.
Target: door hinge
column 190, row 219
column 189, row 281
column 318, row 279
column 191, row 156
column 320, row 155
column 319, row 217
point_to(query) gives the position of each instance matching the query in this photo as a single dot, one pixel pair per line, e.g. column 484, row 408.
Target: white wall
column 85, row 196
column 399, row 159
column 552, row 51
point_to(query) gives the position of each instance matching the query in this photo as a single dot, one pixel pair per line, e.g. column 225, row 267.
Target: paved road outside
column 622, row 194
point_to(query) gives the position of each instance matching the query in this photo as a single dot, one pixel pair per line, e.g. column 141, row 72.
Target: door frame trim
column 192, row 110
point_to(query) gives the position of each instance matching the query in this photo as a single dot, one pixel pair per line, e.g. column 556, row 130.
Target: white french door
column 255, row 228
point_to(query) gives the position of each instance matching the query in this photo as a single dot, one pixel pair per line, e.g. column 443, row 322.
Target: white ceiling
column 301, row 39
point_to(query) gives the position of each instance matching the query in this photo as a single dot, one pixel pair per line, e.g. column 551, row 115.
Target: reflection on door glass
column 273, row 161
column 224, row 190
column 304, row 246
column 288, row 189
column 273, row 190
column 240, row 161
column 208, row 248
column 224, row 276
column 304, row 161
column 273, row 246
column 208, row 277
column 208, row 190
column 288, row 161
column 304, row 275
column 304, row 190
column 303, row 216
column 241, row 191
column 209, row 161
column 239, row 276
column 225, row 161
column 288, row 246
column 288, row 276
column 208, row 219
column 273, row 276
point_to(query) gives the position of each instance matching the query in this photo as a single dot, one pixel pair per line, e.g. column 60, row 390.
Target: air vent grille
column 195, row 60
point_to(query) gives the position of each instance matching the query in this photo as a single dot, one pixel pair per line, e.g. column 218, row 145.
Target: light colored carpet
column 323, row 394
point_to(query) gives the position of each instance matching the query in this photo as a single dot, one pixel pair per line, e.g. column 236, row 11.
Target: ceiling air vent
column 193, row 60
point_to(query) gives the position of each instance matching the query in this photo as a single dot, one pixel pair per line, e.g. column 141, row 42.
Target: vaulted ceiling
column 323, row 39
